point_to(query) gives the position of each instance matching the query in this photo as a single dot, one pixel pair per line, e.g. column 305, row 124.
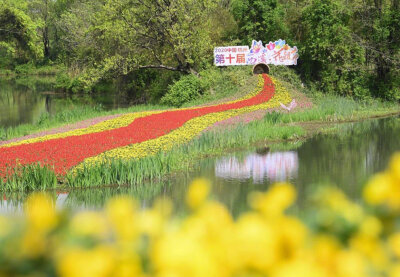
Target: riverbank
column 275, row 126
column 29, row 69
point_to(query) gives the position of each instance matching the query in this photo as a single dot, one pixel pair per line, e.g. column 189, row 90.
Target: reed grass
column 28, row 178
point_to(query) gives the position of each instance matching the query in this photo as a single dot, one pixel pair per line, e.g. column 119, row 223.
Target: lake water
column 346, row 159
column 26, row 100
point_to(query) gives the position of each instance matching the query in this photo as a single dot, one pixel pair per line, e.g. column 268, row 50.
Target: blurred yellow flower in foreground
column 121, row 211
column 394, row 242
column 89, row 223
column 87, row 262
column 40, row 212
column 394, row 167
column 337, row 238
column 384, row 188
column 275, row 201
column 378, row 189
column 197, row 193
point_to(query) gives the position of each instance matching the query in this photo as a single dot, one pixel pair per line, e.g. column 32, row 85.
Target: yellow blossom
column 350, row 263
column 292, row 235
column 32, row 244
column 275, row 201
column 78, row 262
column 325, row 249
column 378, row 189
column 179, row 254
column 371, row 226
column 121, row 212
column 256, row 243
column 127, row 266
column 299, row 267
column 371, row 249
column 89, row 223
column 394, row 243
column 150, row 222
column 197, row 193
column 395, row 271
column 163, row 206
column 40, row 212
column 394, row 167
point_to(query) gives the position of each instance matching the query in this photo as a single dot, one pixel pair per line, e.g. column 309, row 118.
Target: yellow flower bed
column 344, row 238
column 187, row 132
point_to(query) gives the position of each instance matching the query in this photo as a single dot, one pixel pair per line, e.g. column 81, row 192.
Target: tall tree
column 174, row 35
column 376, row 28
column 41, row 11
column 259, row 20
column 330, row 57
column 18, row 32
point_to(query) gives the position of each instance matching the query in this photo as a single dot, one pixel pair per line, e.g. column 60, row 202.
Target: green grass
column 30, row 177
column 218, row 84
column 6, row 72
column 33, row 70
column 335, row 108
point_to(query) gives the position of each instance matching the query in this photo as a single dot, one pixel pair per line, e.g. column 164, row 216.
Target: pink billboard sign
column 277, row 53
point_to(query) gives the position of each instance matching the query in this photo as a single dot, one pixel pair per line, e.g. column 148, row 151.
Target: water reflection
column 26, row 101
column 278, row 166
column 14, row 204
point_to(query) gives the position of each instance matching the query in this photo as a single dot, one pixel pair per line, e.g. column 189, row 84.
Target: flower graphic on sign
column 279, row 44
column 256, row 47
column 271, row 46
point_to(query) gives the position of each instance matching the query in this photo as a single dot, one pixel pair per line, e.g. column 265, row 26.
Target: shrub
column 185, row 89
column 25, row 69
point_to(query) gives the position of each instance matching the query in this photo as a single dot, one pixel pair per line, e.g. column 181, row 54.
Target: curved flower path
column 132, row 135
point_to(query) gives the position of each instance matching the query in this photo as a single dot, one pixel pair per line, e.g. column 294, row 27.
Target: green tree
column 259, row 20
column 128, row 35
column 376, row 27
column 329, row 55
column 40, row 11
column 386, row 54
column 18, row 38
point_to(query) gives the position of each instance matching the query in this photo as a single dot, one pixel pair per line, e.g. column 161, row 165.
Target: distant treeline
column 346, row 47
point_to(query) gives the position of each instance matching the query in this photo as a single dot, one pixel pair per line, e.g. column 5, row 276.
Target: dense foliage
column 347, row 47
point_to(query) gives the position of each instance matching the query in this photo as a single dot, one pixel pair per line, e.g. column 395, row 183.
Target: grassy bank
column 29, row 69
